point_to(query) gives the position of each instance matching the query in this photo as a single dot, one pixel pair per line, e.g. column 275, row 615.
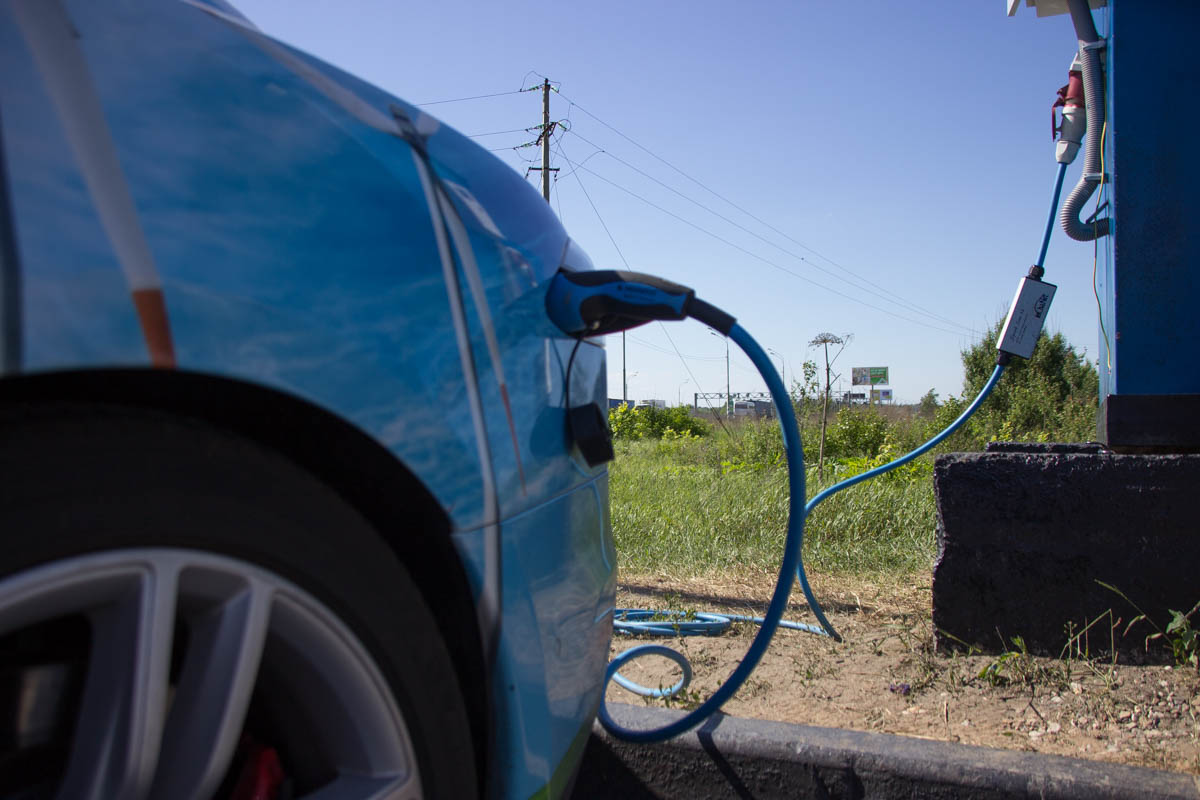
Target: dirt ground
column 886, row 677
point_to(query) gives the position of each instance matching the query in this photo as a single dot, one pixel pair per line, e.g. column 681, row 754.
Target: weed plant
column 1179, row 636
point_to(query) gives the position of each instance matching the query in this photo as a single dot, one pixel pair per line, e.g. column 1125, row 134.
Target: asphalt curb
column 735, row 757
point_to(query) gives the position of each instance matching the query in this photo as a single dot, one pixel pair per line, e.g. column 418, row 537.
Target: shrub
column 916, row 470
column 622, row 421
column 856, row 432
column 1050, row 397
column 654, row 423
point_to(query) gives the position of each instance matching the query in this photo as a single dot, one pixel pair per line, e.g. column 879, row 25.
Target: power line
column 655, row 347
column 699, row 388
column 741, row 249
column 883, row 294
column 738, row 207
column 497, row 133
column 586, row 159
column 666, row 333
column 593, row 205
column 575, row 172
column 463, row 99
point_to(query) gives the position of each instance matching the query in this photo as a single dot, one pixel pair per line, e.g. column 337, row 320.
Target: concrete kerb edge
column 884, row 765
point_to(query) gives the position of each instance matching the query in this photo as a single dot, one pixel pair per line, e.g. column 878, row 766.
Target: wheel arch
column 364, row 473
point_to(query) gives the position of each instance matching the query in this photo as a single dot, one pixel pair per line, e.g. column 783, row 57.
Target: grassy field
column 694, row 496
column 695, row 505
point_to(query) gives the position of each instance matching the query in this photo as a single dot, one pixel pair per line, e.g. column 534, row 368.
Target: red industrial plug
column 1074, row 120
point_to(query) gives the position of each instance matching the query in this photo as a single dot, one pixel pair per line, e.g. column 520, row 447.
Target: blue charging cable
column 936, row 440
column 1058, row 184
column 597, row 302
column 891, row 465
column 792, row 564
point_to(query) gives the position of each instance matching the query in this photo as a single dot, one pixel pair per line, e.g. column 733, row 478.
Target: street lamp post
column 628, row 378
column 679, row 392
column 782, row 367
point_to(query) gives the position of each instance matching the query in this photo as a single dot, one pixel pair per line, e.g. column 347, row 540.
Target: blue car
column 289, row 499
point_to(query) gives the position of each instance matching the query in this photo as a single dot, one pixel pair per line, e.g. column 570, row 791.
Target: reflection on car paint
column 54, row 48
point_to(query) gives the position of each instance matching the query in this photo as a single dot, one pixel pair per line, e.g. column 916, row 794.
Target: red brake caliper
column 261, row 774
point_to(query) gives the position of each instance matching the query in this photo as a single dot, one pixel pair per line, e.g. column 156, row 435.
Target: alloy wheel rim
column 161, row 715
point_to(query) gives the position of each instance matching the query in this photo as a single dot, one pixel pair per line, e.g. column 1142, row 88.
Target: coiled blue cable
column 680, row 623
column 783, row 584
column 791, row 564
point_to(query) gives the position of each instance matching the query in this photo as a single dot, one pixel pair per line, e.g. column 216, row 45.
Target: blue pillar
column 1149, row 269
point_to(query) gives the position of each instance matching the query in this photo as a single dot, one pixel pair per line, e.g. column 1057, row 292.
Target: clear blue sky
column 899, row 154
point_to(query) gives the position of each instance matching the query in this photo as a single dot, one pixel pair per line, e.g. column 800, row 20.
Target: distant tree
column 928, row 404
column 1050, row 397
column 807, row 388
column 806, row 399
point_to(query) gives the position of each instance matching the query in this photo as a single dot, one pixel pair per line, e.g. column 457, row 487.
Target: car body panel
column 294, row 247
column 557, row 624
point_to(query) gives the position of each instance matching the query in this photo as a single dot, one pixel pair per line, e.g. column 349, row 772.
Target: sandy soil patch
column 886, row 677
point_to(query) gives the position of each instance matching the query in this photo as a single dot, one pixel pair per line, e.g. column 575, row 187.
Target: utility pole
column 728, row 396
column 546, row 139
column 624, row 379
column 826, row 339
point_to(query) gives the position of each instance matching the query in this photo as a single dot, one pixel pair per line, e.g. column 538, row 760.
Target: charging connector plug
column 597, row 302
column 1026, row 316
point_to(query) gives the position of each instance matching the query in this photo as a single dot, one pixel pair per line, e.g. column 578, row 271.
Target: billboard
column 869, row 376
column 881, row 395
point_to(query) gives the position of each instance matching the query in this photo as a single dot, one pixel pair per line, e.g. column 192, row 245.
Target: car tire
column 351, row 680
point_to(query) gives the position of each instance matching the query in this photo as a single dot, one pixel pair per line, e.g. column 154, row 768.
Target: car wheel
column 184, row 614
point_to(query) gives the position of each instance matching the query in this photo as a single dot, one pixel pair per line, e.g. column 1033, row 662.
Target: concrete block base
column 1027, row 532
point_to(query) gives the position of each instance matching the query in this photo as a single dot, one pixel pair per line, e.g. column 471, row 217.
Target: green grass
column 691, row 505
column 694, row 506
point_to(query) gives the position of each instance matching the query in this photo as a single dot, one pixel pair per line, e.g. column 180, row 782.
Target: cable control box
column 1026, row 317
